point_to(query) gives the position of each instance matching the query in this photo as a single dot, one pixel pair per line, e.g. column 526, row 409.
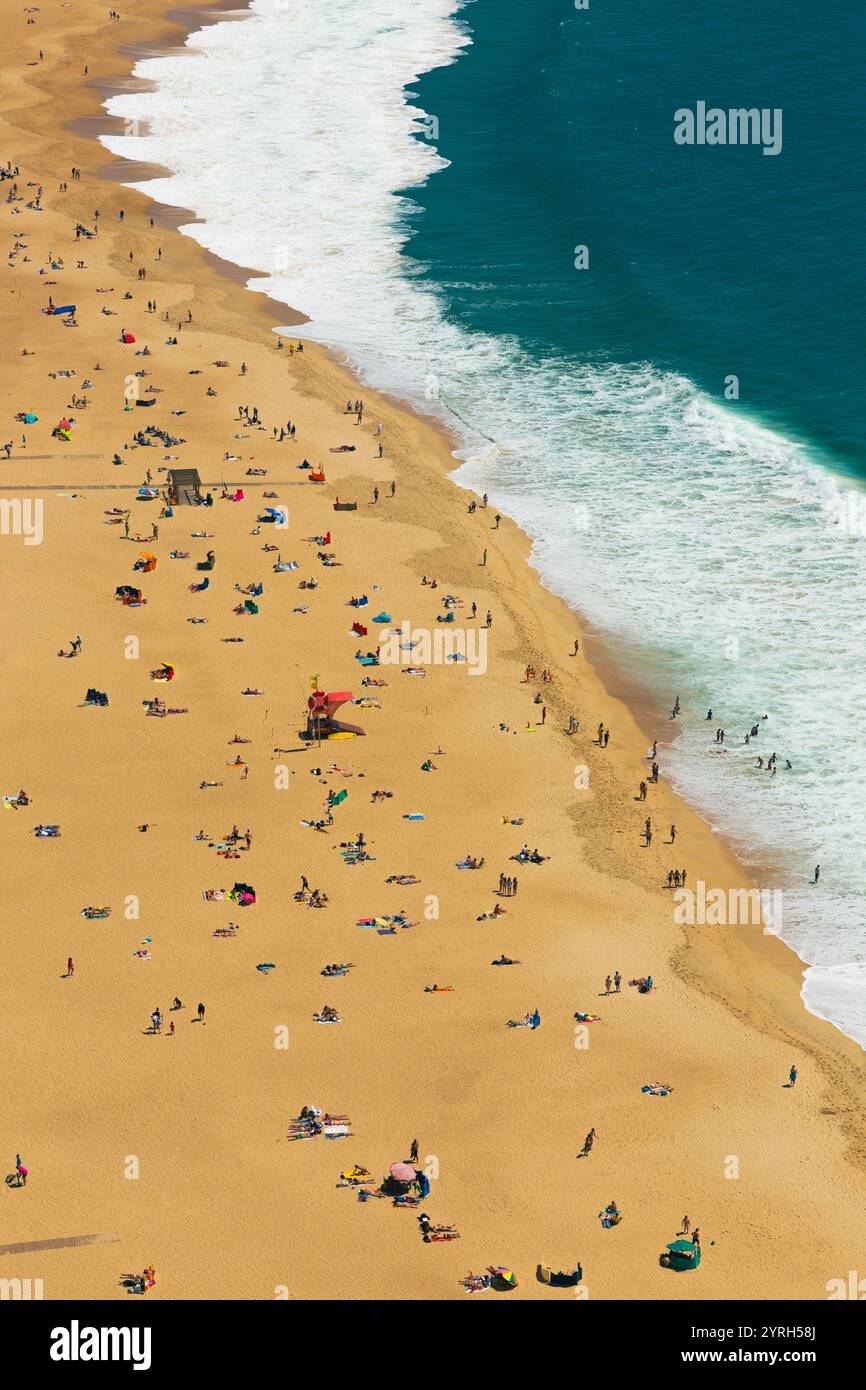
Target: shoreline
column 191, row 18
column 708, row 964
column 620, row 683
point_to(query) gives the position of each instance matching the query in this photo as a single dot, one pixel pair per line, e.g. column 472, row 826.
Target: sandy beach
column 173, row 1145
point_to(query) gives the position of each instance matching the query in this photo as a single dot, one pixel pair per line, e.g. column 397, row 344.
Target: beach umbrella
column 403, row 1172
column 506, row 1276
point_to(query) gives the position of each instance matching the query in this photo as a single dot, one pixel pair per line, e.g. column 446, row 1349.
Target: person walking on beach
column 648, row 831
column 617, row 981
column 641, row 792
column 200, row 1013
column 484, row 558
column 588, row 1143
column 607, row 984
column 413, row 1151
column 792, row 1077
column 576, row 647
column 673, row 833
column 70, row 968
column 817, row 873
column 21, row 1172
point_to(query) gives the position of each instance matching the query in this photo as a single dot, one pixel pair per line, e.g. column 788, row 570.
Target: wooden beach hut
column 184, row 486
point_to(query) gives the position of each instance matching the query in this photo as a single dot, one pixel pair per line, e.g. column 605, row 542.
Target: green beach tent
column 680, row 1255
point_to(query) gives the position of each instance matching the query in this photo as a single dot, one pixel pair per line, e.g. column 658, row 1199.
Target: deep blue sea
column 416, row 178
column 706, row 261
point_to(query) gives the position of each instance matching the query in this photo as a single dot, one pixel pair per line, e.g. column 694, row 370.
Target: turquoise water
column 558, row 125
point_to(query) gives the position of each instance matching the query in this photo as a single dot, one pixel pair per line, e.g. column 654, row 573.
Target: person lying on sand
column 327, row 1015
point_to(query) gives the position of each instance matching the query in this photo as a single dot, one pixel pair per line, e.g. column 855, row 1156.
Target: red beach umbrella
column 403, row 1172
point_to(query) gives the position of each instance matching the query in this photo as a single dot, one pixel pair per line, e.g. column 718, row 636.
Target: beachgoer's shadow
column 13, row 1180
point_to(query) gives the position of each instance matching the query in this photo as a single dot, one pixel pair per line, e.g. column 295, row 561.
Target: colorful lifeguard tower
column 322, row 723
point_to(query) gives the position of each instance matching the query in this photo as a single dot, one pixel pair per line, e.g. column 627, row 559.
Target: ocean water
column 416, row 179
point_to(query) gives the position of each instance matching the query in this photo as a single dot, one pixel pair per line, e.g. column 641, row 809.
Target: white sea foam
column 724, row 565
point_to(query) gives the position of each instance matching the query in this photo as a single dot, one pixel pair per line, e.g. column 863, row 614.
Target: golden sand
column 178, row 1144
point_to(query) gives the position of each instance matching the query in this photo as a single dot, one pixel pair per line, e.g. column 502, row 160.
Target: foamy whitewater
column 720, row 563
